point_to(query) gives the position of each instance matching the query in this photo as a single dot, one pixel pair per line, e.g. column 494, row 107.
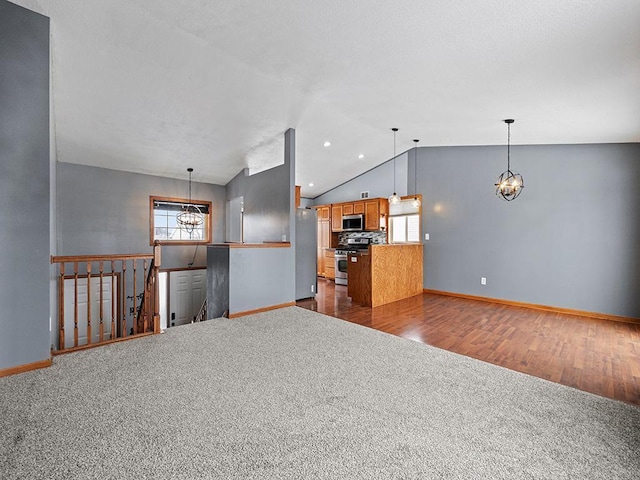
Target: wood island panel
column 396, row 272
column 387, row 274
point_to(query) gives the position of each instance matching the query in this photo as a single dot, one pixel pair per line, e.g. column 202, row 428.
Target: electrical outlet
column 483, row 281
column 312, row 288
column 426, row 236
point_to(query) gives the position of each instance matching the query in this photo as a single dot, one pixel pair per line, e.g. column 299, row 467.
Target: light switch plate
column 426, row 236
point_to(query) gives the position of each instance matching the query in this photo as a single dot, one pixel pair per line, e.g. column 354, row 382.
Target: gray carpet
column 293, row 394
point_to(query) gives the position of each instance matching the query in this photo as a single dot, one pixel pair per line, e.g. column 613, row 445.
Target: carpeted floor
column 292, row 394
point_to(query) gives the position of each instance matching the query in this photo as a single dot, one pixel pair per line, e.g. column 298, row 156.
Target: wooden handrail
column 97, row 258
column 122, row 270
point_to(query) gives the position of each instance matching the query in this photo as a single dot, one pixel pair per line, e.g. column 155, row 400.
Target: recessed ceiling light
column 311, row 184
column 327, row 143
column 361, row 156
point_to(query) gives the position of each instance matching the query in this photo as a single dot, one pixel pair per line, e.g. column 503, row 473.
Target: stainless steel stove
column 353, row 245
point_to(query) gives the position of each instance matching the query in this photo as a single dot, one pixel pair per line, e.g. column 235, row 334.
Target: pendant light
column 393, row 199
column 416, row 201
column 190, row 216
column 509, row 184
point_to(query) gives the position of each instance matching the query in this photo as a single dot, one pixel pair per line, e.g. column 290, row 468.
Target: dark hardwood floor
column 597, row 356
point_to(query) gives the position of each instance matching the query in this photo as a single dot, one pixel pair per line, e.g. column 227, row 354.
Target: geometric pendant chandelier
column 190, row 216
column 509, row 185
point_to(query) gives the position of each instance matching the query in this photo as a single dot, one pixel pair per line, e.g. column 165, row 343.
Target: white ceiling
column 156, row 86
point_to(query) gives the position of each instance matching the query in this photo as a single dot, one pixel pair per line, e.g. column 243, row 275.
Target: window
column 164, row 226
column 404, row 222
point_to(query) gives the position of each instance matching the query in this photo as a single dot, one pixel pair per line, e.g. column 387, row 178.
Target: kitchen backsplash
column 376, row 237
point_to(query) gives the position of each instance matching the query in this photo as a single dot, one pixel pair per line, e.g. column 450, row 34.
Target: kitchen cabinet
column 373, row 210
column 329, row 264
column 336, row 218
column 324, row 236
column 324, row 212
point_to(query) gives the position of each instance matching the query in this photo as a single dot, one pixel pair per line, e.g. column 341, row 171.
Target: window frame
column 207, row 221
column 405, row 215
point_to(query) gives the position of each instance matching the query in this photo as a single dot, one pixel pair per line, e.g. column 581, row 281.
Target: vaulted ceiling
column 156, row 86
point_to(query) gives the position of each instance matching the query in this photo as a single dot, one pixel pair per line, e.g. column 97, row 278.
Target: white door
column 187, row 291
column 109, row 292
column 198, row 290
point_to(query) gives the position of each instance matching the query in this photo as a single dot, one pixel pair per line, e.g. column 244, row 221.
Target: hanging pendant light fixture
column 509, row 184
column 190, row 216
column 416, row 201
column 393, row 199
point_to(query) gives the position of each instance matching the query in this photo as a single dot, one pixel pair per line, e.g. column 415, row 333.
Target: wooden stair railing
column 202, row 313
column 115, row 284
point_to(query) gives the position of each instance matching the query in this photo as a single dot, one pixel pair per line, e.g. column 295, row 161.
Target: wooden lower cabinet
column 329, row 264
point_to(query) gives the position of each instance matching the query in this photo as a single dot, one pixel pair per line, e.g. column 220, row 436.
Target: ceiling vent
column 364, row 194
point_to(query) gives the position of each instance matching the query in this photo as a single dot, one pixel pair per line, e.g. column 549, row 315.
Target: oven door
column 341, row 269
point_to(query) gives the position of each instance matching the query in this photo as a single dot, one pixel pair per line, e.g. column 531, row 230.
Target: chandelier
column 393, row 199
column 509, row 184
column 190, row 216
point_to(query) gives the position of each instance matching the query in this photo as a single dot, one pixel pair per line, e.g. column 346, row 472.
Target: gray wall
column 378, row 182
column 260, row 277
column 24, row 186
column 102, row 211
column 242, row 279
column 570, row 240
column 268, row 197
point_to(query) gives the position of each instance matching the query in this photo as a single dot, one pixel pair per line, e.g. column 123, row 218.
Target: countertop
column 251, row 245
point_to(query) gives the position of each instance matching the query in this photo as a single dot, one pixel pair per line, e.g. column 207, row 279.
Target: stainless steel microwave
column 353, row 223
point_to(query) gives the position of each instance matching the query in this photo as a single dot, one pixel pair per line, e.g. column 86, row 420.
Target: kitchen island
column 386, row 273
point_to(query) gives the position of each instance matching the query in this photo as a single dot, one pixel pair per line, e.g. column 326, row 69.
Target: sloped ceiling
column 156, row 86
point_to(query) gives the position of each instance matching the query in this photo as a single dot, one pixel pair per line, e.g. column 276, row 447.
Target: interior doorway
column 182, row 293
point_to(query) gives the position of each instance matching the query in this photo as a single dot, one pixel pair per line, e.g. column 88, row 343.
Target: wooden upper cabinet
column 373, row 209
column 297, row 196
column 324, row 212
column 336, row 218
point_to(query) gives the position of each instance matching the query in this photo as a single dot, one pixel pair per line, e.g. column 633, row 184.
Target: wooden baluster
column 156, row 293
column 135, row 321
column 75, row 304
column 145, row 307
column 101, row 267
column 61, row 309
column 113, row 301
column 123, row 322
column 88, row 302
